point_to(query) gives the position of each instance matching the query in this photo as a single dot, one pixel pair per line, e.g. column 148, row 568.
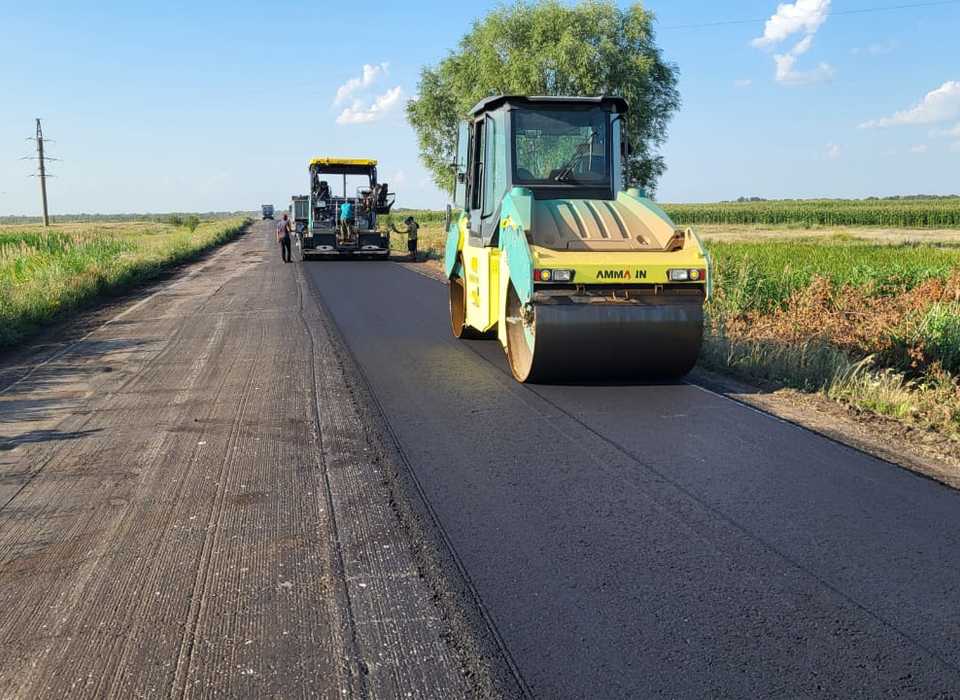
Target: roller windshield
column 557, row 147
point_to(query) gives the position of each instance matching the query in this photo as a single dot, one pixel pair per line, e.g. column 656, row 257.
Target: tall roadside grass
column 45, row 274
column 873, row 326
column 762, row 276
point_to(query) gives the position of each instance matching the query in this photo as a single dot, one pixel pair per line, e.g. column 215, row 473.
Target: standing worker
column 283, row 238
column 411, row 231
column 346, row 222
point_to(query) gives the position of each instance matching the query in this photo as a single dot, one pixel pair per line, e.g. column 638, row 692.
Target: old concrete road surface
column 658, row 540
column 191, row 505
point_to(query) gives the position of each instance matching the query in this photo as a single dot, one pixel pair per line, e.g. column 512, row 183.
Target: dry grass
column 756, row 232
column 893, row 351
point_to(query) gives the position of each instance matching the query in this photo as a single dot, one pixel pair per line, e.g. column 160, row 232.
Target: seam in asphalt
column 733, row 523
column 357, row 662
column 428, row 507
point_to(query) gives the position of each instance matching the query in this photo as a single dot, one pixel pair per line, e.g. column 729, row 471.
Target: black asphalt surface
column 658, row 540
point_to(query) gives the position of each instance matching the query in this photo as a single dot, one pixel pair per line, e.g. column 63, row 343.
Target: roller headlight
column 560, row 276
column 687, row 275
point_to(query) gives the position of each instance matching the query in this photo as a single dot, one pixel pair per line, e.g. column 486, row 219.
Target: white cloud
column 940, row 105
column 362, row 113
column 802, row 16
column 743, row 83
column 919, row 148
column 368, row 76
column 786, row 66
column 833, row 151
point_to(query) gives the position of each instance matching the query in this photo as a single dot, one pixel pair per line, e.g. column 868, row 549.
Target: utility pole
column 43, row 173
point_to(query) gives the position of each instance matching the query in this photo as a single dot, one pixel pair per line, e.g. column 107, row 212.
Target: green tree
column 548, row 48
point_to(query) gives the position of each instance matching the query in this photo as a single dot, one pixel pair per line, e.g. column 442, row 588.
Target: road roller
column 578, row 275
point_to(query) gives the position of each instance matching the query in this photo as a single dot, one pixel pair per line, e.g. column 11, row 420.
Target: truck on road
column 266, row 211
column 300, row 212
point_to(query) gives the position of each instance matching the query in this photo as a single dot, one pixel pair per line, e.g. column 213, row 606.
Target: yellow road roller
column 578, row 276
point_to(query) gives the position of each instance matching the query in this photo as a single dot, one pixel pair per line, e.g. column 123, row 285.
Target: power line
column 865, row 10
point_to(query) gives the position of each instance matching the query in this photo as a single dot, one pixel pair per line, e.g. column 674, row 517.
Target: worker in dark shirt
column 411, row 232
column 283, row 238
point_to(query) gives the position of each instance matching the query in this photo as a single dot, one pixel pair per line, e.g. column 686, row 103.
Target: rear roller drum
column 564, row 342
column 521, row 338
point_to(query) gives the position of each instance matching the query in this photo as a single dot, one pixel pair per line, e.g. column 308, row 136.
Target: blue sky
column 217, row 105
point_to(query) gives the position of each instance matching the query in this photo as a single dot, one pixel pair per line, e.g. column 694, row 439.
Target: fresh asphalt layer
column 657, row 539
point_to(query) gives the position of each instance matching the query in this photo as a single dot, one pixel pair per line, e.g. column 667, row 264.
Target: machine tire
column 519, row 350
column 458, row 308
column 458, row 313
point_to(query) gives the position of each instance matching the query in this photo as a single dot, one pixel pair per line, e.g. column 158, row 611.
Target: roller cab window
column 561, row 149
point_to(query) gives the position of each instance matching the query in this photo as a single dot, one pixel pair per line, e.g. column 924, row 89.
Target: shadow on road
column 37, row 436
column 64, row 383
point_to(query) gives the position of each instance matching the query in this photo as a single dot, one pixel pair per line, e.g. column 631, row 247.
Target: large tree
column 548, row 48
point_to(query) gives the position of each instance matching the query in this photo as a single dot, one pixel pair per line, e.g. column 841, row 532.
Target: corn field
column 909, row 213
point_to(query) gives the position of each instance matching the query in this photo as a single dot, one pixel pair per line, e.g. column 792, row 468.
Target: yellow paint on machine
column 482, row 272
column 618, row 268
column 359, row 162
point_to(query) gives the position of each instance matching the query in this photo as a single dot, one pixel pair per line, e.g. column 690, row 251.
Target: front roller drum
column 566, row 342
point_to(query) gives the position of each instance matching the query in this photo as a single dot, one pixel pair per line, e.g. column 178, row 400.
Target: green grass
column 938, row 333
column 45, row 274
column 906, row 368
column 761, row 276
column 423, row 217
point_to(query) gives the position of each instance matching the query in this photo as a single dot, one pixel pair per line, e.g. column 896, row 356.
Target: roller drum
column 606, row 341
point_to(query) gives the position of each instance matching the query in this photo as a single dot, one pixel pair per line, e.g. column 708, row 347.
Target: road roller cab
column 577, row 275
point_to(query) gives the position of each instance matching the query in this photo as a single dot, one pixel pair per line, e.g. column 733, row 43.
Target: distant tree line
column 175, row 218
column 894, row 198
